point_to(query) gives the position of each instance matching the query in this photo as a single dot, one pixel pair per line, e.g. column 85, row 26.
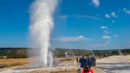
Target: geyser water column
column 41, row 25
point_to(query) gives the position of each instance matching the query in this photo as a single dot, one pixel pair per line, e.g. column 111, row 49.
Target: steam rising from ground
column 41, row 12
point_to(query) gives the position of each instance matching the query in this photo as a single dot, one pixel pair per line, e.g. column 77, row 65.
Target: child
column 86, row 70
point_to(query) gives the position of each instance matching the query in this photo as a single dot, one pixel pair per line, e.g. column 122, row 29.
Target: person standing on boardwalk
column 82, row 63
column 88, row 62
column 93, row 64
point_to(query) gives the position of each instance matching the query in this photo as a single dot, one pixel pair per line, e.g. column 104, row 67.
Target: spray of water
column 120, row 53
column 66, row 54
column 41, row 21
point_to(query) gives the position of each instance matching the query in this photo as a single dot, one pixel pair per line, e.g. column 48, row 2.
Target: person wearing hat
column 93, row 64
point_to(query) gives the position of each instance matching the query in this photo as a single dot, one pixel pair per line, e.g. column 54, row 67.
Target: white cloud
column 126, row 11
column 102, row 45
column 96, row 3
column 113, row 14
column 107, row 16
column 116, row 35
column 106, row 37
column 113, row 21
column 72, row 39
column 103, row 27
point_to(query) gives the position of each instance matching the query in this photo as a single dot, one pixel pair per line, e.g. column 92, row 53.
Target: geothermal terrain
column 65, row 65
column 111, row 64
column 108, row 61
column 115, row 64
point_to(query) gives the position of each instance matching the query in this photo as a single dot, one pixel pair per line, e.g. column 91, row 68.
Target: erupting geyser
column 41, row 12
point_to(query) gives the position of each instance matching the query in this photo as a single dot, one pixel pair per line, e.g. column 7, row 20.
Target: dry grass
column 12, row 63
column 6, row 63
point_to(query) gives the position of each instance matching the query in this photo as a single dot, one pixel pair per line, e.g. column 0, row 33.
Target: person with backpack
column 88, row 62
column 93, row 64
column 87, row 70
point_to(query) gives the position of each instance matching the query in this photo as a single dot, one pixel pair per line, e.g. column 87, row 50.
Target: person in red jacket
column 87, row 70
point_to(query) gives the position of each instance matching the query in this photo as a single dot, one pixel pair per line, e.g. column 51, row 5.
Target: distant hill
column 106, row 53
column 23, row 52
column 13, row 52
column 60, row 52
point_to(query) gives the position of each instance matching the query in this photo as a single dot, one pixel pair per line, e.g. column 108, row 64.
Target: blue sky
column 80, row 24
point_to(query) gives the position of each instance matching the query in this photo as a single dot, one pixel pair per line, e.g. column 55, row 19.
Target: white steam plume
column 41, row 12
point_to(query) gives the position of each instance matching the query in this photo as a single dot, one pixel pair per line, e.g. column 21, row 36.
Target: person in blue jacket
column 88, row 62
column 83, row 62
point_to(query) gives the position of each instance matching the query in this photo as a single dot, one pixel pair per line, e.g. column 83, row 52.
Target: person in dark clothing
column 77, row 59
column 83, row 62
column 88, row 62
column 93, row 64
column 80, row 58
column 92, row 61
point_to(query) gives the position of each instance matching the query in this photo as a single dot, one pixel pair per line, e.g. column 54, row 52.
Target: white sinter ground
column 115, row 64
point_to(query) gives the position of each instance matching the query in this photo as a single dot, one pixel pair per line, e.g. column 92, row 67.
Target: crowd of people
column 87, row 64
